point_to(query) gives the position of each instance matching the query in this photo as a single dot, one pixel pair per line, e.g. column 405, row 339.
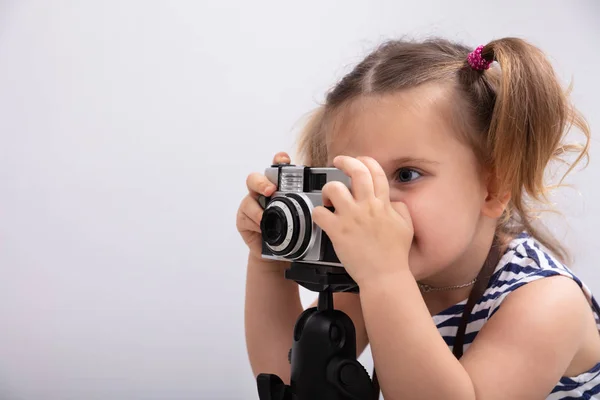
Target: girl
column 447, row 149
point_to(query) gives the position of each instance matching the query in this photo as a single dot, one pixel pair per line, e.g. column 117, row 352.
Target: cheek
column 445, row 217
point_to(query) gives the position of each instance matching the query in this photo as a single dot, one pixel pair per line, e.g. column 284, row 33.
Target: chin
column 422, row 268
column 428, row 260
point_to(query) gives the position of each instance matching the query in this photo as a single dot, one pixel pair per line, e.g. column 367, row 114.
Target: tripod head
column 323, row 354
column 321, row 278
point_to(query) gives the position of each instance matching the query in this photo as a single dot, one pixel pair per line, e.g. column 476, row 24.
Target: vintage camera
column 288, row 231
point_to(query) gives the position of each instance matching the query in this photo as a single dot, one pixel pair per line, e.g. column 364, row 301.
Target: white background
column 127, row 130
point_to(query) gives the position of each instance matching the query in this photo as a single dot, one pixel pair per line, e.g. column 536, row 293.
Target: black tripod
column 323, row 354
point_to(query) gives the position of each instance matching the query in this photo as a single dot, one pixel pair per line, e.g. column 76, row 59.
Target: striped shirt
column 524, row 261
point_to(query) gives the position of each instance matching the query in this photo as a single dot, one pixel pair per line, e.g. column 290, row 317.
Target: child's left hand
column 370, row 235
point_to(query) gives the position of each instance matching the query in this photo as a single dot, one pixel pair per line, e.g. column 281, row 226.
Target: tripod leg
column 271, row 387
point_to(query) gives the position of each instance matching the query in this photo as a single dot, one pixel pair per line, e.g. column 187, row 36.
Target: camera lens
column 274, row 226
column 285, row 225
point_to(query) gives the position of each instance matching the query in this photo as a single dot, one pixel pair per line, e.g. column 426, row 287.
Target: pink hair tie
column 476, row 61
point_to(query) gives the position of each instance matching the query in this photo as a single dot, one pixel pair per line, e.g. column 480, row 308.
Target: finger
column 362, row 183
column 336, row 194
column 381, row 186
column 281, row 157
column 402, row 210
column 245, row 223
column 259, row 184
column 325, row 219
column 252, row 209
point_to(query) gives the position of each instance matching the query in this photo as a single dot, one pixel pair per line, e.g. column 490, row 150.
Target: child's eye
column 406, row 175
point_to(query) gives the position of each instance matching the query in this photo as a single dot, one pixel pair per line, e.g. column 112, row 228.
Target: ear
column 494, row 206
column 496, row 200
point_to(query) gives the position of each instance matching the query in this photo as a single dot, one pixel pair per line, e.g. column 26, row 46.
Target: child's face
column 428, row 167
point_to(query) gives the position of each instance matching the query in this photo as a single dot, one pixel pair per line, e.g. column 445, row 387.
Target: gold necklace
column 426, row 288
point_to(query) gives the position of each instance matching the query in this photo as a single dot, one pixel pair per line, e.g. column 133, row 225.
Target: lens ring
column 306, row 223
column 273, row 226
column 292, row 224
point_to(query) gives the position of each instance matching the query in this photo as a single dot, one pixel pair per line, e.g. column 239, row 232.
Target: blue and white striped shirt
column 524, row 261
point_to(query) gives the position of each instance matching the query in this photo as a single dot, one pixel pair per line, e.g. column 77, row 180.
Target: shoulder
column 541, row 322
column 530, row 341
column 525, row 259
column 524, row 262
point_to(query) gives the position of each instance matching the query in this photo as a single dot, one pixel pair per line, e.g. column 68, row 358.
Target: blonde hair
column 515, row 115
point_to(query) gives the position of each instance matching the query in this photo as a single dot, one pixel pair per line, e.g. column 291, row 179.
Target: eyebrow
column 409, row 160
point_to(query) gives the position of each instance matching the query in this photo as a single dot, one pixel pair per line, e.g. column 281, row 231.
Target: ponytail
column 530, row 119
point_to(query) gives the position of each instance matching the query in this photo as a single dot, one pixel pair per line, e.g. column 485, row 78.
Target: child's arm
column 271, row 310
column 272, row 305
column 521, row 353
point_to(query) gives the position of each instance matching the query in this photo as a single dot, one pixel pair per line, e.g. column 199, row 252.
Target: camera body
column 288, row 231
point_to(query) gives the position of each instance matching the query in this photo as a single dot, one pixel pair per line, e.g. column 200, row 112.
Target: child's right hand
column 250, row 212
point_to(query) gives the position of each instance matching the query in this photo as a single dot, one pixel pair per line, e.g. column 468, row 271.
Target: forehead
column 415, row 123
